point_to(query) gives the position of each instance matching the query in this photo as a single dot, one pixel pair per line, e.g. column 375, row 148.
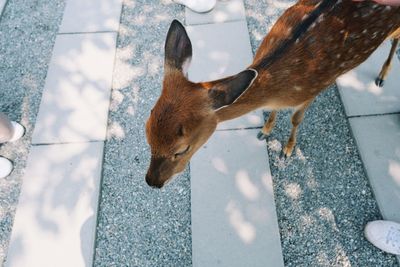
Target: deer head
column 184, row 116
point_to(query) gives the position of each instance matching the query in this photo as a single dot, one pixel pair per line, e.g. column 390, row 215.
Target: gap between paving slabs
column 138, row 225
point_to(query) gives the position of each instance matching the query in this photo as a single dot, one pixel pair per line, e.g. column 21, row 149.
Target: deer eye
column 183, row 152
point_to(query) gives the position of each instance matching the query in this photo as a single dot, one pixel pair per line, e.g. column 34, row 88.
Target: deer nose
column 155, row 183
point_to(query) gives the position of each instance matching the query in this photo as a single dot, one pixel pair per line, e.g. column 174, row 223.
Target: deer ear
column 226, row 91
column 178, row 48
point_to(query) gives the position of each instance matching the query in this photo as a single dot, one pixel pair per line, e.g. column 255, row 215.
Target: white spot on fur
column 297, row 88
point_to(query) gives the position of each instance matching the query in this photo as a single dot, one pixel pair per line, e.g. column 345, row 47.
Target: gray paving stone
column 359, row 93
column 234, row 220
column 75, row 100
column 56, row 215
column 224, row 11
column 2, row 4
column 378, row 139
column 91, row 16
column 221, row 50
column 28, row 29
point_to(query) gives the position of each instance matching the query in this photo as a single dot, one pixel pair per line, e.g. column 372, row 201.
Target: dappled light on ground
column 232, row 202
column 57, row 205
column 244, row 229
column 75, row 100
column 360, row 94
column 351, row 79
column 394, row 171
column 246, row 186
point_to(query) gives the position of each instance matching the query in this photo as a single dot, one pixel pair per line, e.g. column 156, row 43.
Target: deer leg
column 386, row 66
column 297, row 118
column 269, row 124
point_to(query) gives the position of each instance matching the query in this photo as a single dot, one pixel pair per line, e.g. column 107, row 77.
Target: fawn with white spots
column 310, row 45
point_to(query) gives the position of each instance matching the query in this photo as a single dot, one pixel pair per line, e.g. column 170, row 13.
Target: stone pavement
column 237, row 205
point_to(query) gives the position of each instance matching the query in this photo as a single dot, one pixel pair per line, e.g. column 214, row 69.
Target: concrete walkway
column 56, row 215
column 374, row 116
column 83, row 199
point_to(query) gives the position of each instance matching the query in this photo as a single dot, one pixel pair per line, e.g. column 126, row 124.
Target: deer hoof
column 283, row 155
column 379, row 82
column 286, row 152
column 261, row 136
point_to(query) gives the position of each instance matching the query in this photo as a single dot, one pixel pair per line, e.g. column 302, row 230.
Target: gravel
column 322, row 193
column 138, row 225
column 27, row 34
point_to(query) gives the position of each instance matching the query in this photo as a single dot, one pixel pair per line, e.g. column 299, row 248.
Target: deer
column 321, row 38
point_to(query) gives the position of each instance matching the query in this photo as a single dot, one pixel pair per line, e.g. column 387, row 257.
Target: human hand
column 384, row 2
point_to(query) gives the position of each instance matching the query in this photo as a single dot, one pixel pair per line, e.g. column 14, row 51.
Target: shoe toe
column 384, row 235
column 19, row 131
column 6, row 167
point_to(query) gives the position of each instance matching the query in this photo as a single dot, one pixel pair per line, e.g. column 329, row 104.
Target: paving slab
column 359, row 93
column 56, row 215
column 91, row 16
column 2, row 4
column 221, row 50
column 378, row 139
column 29, row 29
column 224, row 11
column 234, row 220
column 76, row 96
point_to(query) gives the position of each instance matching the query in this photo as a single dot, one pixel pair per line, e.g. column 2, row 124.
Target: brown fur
column 185, row 115
column 314, row 63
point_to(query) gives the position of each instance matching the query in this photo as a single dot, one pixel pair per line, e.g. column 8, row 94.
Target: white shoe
column 6, row 167
column 199, row 6
column 384, row 235
column 19, row 131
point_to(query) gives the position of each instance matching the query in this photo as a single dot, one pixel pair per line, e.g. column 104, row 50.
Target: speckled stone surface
column 138, row 225
column 27, row 33
column 322, row 193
